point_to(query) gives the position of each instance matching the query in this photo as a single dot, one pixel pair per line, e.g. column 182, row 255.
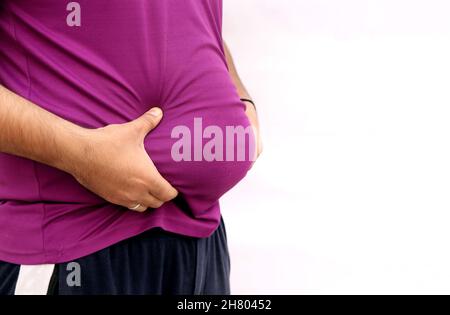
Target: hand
column 115, row 166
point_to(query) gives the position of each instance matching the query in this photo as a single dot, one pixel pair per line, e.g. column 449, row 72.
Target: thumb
column 149, row 120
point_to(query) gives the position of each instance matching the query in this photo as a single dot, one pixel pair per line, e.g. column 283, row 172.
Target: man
column 91, row 201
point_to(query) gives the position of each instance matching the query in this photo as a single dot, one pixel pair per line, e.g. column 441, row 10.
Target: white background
column 352, row 192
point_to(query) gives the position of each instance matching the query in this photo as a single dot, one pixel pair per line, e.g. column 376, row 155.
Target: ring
column 135, row 207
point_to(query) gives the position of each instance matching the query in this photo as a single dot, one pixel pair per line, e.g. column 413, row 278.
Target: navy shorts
column 154, row 262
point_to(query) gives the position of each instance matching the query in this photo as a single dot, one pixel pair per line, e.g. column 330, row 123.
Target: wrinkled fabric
column 124, row 58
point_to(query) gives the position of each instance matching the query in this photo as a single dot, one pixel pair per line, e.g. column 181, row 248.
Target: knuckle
column 157, row 192
column 167, row 195
column 162, row 190
column 129, row 197
column 156, row 204
column 151, row 121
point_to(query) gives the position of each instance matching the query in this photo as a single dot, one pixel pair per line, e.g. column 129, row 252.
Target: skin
column 243, row 93
column 31, row 132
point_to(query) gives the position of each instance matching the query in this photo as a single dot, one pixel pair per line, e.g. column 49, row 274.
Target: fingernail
column 156, row 112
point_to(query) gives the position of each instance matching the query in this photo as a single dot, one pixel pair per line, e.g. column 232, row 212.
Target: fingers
column 157, row 185
column 138, row 208
column 163, row 191
column 157, row 192
column 157, row 189
column 152, row 202
column 145, row 202
column 148, row 121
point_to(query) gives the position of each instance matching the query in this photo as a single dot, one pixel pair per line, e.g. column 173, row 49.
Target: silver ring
column 135, row 207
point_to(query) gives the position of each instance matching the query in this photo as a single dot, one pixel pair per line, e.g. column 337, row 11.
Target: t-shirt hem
column 86, row 248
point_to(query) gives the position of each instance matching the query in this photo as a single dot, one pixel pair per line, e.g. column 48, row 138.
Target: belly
column 203, row 149
column 181, row 68
column 195, row 147
column 204, row 143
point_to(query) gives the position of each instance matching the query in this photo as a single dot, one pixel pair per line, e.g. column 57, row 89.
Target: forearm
column 243, row 93
column 29, row 131
column 242, row 90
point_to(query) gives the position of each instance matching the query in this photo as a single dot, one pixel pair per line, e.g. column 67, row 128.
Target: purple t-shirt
column 98, row 62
